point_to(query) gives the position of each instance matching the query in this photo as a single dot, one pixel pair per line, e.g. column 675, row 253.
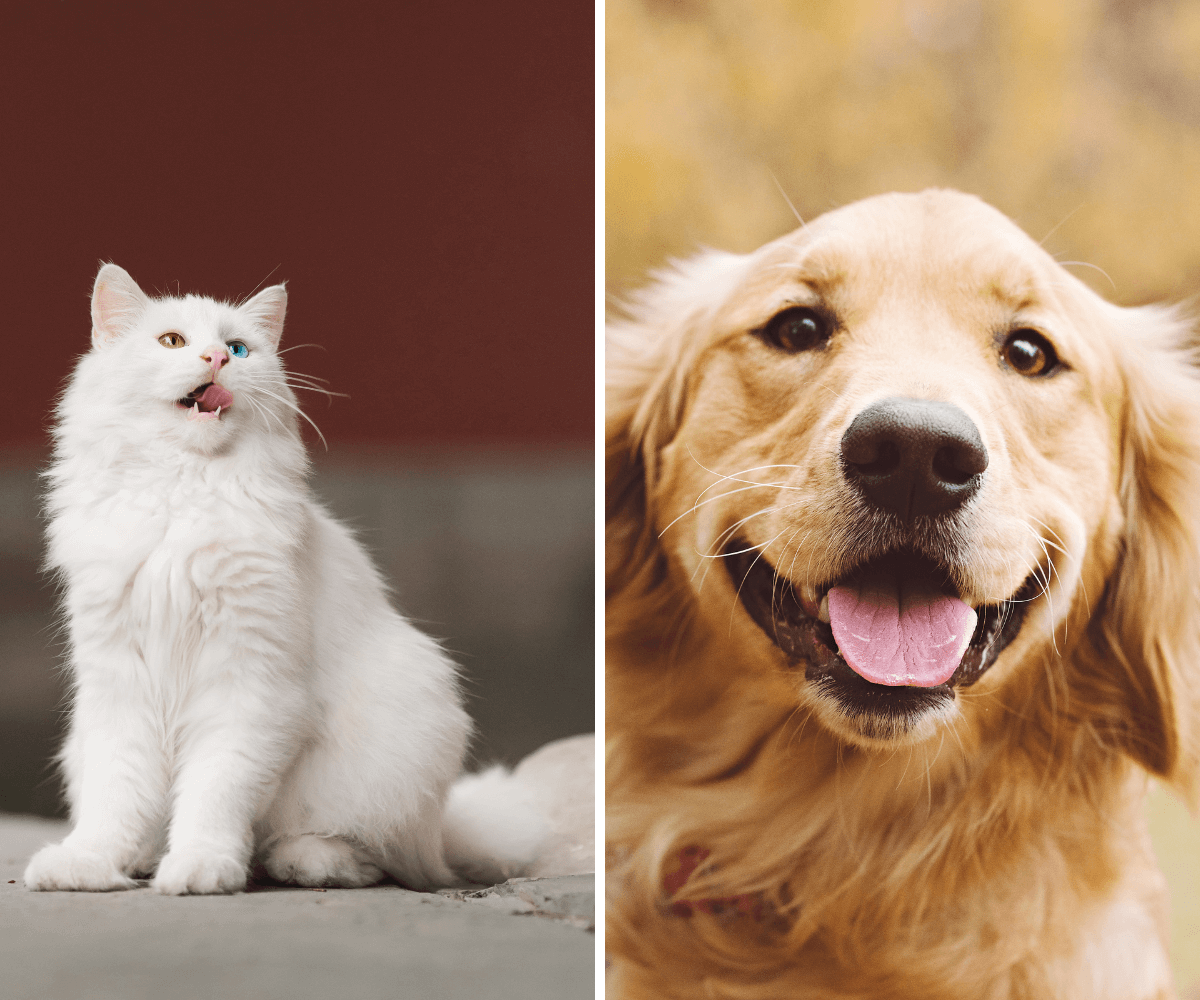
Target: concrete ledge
column 524, row 939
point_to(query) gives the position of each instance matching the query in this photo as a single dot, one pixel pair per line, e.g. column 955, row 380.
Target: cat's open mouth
column 206, row 402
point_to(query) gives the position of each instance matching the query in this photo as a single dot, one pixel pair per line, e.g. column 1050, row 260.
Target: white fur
column 493, row 826
column 242, row 688
column 538, row 820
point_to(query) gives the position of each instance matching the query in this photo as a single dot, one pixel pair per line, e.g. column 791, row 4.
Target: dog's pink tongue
column 900, row 632
column 213, row 396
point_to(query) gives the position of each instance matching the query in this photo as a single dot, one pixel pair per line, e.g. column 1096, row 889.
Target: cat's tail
column 537, row 820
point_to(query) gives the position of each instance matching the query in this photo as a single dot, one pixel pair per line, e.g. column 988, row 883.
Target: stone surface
column 526, row 938
column 571, row 898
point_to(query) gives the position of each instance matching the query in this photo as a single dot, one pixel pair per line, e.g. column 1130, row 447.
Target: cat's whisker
column 246, row 298
column 292, row 406
column 297, row 376
column 259, row 408
column 296, row 347
column 323, row 392
column 316, row 388
column 249, row 401
column 317, row 378
column 301, row 377
column 300, row 385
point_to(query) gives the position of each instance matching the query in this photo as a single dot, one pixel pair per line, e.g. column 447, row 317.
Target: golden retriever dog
column 903, row 611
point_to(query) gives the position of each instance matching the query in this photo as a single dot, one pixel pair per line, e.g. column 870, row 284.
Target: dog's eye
column 172, row 340
column 1030, row 353
column 796, row 329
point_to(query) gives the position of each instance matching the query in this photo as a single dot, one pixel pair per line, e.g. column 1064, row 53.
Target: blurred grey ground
column 490, row 552
column 526, row 940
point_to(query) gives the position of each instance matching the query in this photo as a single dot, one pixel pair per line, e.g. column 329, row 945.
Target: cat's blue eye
column 238, row 349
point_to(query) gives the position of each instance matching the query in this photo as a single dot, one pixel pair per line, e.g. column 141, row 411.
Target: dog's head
column 905, row 460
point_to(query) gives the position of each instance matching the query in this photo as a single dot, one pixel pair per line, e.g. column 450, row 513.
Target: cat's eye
column 172, row 340
column 238, row 349
column 796, row 329
column 1029, row 353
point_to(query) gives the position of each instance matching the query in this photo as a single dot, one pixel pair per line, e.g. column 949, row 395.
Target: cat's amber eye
column 172, row 340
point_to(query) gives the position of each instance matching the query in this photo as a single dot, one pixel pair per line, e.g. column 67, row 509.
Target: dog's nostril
column 884, row 458
column 957, row 465
column 914, row 456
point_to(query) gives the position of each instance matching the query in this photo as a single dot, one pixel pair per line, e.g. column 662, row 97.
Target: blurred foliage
column 1080, row 119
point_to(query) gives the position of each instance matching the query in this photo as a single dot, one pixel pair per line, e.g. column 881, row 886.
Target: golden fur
column 996, row 849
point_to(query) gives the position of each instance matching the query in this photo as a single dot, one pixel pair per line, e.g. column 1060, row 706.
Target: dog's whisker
column 799, row 545
column 723, row 537
column 708, row 558
column 953, row 728
column 1038, row 520
column 720, row 496
column 786, row 198
column 794, row 738
column 928, row 775
column 735, row 478
column 907, row 762
column 1050, row 568
column 1044, row 575
column 718, row 543
column 1084, row 263
column 733, row 607
column 1061, row 223
column 679, row 628
column 728, row 532
column 775, row 588
column 1062, row 548
column 821, row 385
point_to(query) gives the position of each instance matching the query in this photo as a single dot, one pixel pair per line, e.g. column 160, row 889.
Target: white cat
column 242, row 688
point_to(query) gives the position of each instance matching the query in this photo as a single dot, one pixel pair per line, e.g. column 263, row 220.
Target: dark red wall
column 421, row 174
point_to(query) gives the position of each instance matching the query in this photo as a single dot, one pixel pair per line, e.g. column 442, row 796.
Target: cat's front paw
column 198, row 872
column 65, row 867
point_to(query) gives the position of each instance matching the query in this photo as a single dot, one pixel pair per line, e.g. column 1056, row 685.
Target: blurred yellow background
column 1079, row 119
column 1079, row 115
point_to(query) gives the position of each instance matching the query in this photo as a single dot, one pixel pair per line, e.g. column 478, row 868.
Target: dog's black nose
column 914, row 456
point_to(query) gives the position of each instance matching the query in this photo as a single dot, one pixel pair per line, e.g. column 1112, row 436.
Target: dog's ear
column 1148, row 630
column 650, row 353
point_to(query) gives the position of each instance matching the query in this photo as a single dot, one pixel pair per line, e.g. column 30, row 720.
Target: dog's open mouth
column 890, row 639
column 206, row 402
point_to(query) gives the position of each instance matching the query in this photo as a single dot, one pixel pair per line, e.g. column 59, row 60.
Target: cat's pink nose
column 216, row 356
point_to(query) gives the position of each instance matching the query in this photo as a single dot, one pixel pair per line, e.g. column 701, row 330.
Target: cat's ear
column 267, row 309
column 117, row 302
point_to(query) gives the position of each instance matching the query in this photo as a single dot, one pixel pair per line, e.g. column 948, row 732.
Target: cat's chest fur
column 171, row 550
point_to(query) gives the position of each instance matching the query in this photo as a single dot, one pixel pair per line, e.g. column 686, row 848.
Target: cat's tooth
column 823, row 611
column 218, row 413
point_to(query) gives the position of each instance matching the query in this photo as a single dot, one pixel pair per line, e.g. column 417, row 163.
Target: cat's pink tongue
column 900, row 632
column 213, row 396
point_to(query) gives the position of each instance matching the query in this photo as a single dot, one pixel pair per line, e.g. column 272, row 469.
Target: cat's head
column 185, row 369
